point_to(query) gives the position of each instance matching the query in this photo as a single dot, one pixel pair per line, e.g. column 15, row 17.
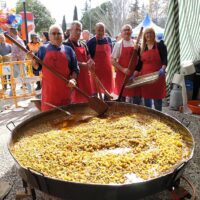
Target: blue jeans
column 123, row 99
column 136, row 100
column 157, row 103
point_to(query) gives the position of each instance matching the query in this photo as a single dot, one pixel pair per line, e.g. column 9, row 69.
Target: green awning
column 182, row 34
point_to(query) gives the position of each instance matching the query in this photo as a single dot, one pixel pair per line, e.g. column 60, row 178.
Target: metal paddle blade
column 98, row 105
column 58, row 108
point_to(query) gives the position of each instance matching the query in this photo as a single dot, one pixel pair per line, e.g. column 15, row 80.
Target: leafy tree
column 120, row 12
column 135, row 15
column 154, row 8
column 42, row 17
column 86, row 18
column 64, row 24
column 86, row 7
column 158, row 11
column 115, row 13
column 75, row 17
column 102, row 13
column 143, row 11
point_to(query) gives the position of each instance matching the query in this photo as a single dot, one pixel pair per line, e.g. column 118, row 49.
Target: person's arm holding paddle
column 41, row 54
column 56, row 73
column 124, row 59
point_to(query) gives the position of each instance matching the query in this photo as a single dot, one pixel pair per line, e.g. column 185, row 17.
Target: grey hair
column 100, row 24
column 76, row 23
column 86, row 31
column 126, row 25
column 55, row 26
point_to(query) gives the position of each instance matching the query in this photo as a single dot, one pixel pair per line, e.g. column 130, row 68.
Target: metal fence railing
column 19, row 77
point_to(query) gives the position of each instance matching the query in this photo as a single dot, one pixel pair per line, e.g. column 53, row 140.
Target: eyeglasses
column 149, row 33
column 56, row 33
column 126, row 30
column 77, row 30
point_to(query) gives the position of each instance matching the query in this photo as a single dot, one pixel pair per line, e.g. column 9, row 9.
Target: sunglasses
column 56, row 33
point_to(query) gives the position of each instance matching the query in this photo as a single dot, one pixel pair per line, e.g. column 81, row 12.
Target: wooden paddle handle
column 100, row 84
column 58, row 108
column 44, row 64
column 36, row 58
column 133, row 55
column 98, row 88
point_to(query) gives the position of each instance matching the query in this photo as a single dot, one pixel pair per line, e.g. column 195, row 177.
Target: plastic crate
column 194, row 105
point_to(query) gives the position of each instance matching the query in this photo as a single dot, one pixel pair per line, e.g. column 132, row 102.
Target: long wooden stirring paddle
column 95, row 103
column 133, row 56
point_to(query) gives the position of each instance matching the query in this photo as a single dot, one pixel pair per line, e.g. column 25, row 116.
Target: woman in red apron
column 102, row 57
column 121, row 56
column 57, row 56
column 84, row 79
column 153, row 58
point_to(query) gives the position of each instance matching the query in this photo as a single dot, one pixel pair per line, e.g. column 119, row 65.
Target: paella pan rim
column 171, row 171
column 180, row 166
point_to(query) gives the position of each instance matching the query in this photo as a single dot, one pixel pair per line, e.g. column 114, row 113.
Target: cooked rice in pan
column 104, row 150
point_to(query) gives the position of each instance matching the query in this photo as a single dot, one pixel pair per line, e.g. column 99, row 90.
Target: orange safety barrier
column 25, row 78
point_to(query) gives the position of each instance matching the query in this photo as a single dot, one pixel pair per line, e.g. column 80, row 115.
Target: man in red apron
column 84, row 81
column 153, row 58
column 62, row 59
column 100, row 48
column 121, row 56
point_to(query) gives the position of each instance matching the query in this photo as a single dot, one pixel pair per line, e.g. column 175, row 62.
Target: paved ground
column 8, row 170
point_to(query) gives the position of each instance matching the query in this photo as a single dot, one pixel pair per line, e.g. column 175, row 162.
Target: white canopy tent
column 146, row 23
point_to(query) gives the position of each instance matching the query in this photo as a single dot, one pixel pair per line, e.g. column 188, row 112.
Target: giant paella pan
column 129, row 153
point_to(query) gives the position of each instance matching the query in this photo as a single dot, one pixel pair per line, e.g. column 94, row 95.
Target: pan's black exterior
column 76, row 191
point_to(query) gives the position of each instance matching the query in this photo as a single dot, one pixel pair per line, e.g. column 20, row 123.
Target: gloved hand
column 162, row 72
column 72, row 83
column 131, row 78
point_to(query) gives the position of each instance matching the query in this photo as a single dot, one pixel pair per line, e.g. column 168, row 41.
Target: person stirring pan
column 153, row 58
column 62, row 59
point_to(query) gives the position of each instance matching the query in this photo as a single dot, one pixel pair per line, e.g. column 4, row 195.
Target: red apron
column 152, row 63
column 103, row 67
column 124, row 60
column 55, row 90
column 84, row 78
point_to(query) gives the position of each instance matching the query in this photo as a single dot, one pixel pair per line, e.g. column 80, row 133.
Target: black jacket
column 163, row 55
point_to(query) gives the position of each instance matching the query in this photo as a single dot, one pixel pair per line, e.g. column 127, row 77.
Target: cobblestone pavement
column 9, row 173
